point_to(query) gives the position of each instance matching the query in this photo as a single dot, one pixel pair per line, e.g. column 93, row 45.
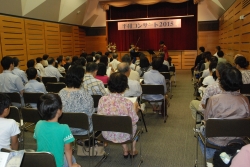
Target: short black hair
column 101, row 69
column 6, row 62
column 218, row 48
column 5, row 102
column 30, row 63
column 91, row 67
column 48, row 105
column 83, row 55
column 38, row 59
column 214, row 59
column 74, row 58
column 59, row 59
column 16, row 61
column 106, row 54
column 31, row 73
column 81, row 61
column 117, row 83
column 144, row 62
column 74, row 76
column 97, row 57
column 51, row 60
column 220, row 53
column 202, row 49
column 104, row 59
column 115, row 55
column 89, row 59
column 157, row 63
column 45, row 57
column 126, row 58
column 241, row 61
column 231, row 79
column 207, row 55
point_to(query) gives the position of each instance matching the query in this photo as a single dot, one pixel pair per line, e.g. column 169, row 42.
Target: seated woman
column 75, row 99
column 116, row 104
column 242, row 64
column 144, row 65
column 101, row 73
column 230, row 104
column 154, row 77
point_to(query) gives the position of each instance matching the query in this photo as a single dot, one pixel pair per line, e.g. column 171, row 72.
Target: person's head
column 16, row 61
column 144, row 62
column 101, row 69
column 126, row 58
column 124, row 68
column 99, row 53
column 212, row 69
column 115, row 55
column 5, row 103
column 218, row 48
column 49, row 106
column 221, row 67
column 169, row 59
column 38, row 60
column 92, row 68
column 104, row 59
column 45, row 57
column 117, row 83
column 202, row 49
column 31, row 73
column 30, row 63
column 59, row 60
column 231, row 79
column 7, row 63
column 89, row 59
column 241, row 62
column 83, row 55
column 51, row 61
column 214, row 59
column 74, row 58
column 106, row 54
column 157, row 63
column 81, row 61
column 207, row 56
column 237, row 55
column 132, row 45
column 67, row 59
column 74, row 76
column 97, row 57
column 161, row 43
column 220, row 53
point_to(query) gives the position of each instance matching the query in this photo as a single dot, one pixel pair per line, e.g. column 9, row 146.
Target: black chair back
column 15, row 97
column 152, row 89
column 55, row 87
column 62, row 79
column 30, row 115
column 14, row 114
column 48, row 79
column 245, row 89
column 172, row 69
column 75, row 120
column 166, row 75
column 31, row 97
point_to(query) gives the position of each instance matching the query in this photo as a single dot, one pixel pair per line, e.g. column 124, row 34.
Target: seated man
column 19, row 72
column 115, row 62
column 92, row 85
column 134, row 75
column 9, row 129
column 51, row 71
column 39, row 66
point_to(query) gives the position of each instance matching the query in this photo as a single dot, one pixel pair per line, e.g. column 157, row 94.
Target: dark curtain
column 184, row 38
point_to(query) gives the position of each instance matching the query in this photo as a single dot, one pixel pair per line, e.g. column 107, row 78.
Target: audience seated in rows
column 218, row 48
column 67, row 63
column 31, row 63
column 9, row 129
column 19, row 72
column 241, row 64
column 97, row 58
column 10, row 82
column 116, row 104
column 206, row 72
column 168, row 63
column 45, row 61
column 221, row 57
column 126, row 58
column 60, row 67
column 101, row 73
column 75, row 99
column 134, row 75
column 134, row 87
column 52, row 136
column 207, row 57
column 144, row 65
column 51, row 71
column 229, row 104
column 115, row 62
column 39, row 66
column 197, row 59
column 90, row 84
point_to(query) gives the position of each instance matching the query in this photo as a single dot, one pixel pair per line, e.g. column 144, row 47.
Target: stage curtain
column 184, row 38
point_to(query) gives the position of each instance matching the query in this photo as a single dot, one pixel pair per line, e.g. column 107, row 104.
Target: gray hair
column 115, row 55
column 123, row 67
column 222, row 66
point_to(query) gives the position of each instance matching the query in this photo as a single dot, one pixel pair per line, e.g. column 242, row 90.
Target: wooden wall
column 29, row 39
column 209, row 40
column 234, row 34
column 96, row 43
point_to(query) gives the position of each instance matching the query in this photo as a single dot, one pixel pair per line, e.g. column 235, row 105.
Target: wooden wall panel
column 67, row 44
column 96, row 43
column 188, row 58
column 82, row 40
column 13, row 42
column 209, row 40
column 176, row 58
column 52, row 39
column 35, row 39
column 76, row 42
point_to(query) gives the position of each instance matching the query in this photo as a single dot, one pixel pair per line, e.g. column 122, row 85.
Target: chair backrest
column 15, row 97
column 55, row 86
column 14, row 114
column 30, row 115
column 75, row 120
column 62, row 79
column 172, row 68
column 48, row 79
column 228, row 127
column 245, row 89
column 63, row 74
column 112, row 123
column 166, row 75
column 152, row 89
column 37, row 159
column 96, row 99
column 31, row 97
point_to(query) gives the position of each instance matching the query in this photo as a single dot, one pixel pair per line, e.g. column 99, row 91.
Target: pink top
column 116, row 104
column 104, row 78
column 242, row 159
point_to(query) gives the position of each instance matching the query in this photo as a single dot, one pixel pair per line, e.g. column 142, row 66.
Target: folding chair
column 152, row 90
column 114, row 123
column 15, row 98
column 48, row 79
column 37, row 159
column 62, row 79
column 222, row 128
column 31, row 97
column 63, row 74
column 245, row 89
column 168, row 81
column 55, row 87
column 172, row 72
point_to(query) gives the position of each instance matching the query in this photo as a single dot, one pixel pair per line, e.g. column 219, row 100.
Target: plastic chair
column 31, row 97
column 15, row 98
column 48, row 79
column 167, row 76
column 245, row 89
column 152, row 90
column 222, row 128
column 55, row 87
column 62, row 79
column 113, row 123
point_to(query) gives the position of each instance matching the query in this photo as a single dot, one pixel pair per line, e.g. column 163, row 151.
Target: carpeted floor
column 170, row 144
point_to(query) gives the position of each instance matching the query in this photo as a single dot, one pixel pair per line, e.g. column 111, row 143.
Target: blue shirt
column 10, row 83
column 21, row 74
column 51, row 71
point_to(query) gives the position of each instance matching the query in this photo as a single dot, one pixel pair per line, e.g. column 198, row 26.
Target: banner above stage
column 149, row 24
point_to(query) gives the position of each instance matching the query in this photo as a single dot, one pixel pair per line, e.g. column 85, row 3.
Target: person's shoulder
column 8, row 121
